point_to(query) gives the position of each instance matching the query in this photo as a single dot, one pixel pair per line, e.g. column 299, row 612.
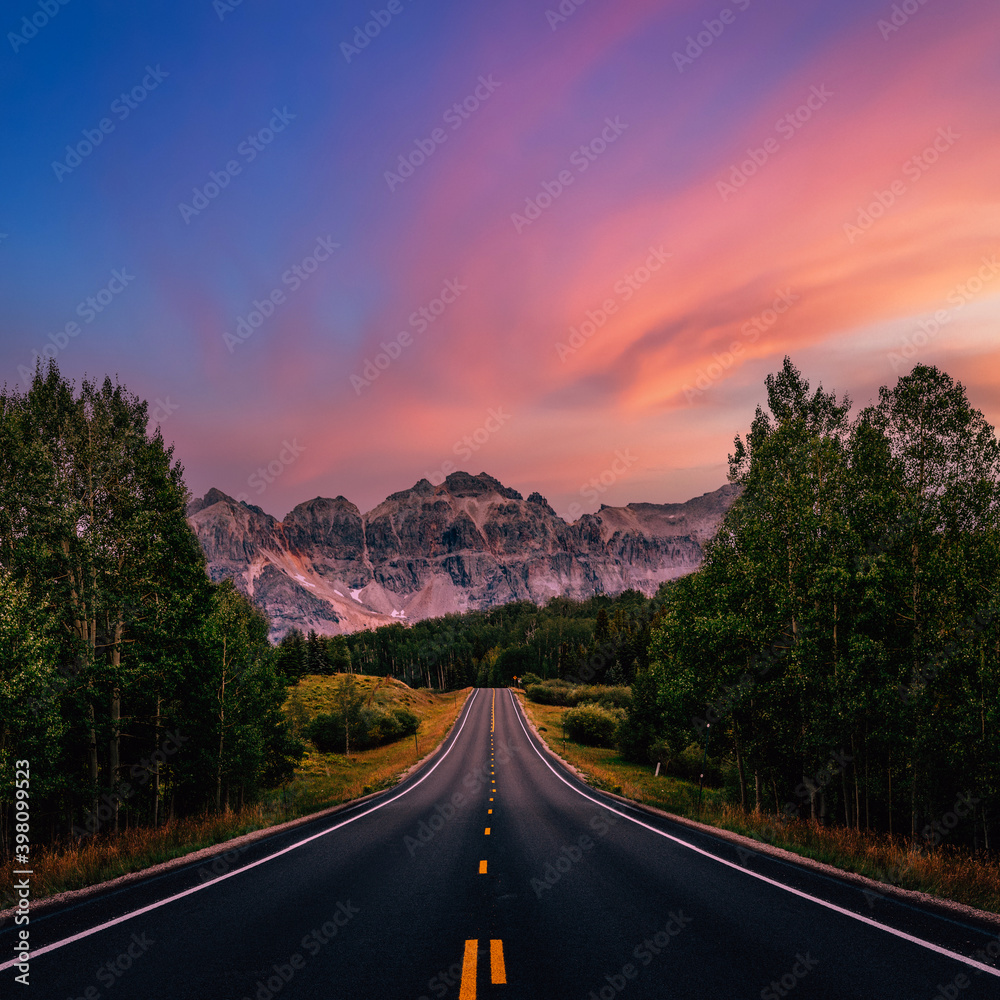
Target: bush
column 613, row 697
column 561, row 693
column 530, row 678
column 409, row 723
column 544, row 694
column 327, row 732
column 374, row 727
column 687, row 764
column 592, row 725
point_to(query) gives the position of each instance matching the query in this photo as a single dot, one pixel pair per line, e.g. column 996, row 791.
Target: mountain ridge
column 470, row 542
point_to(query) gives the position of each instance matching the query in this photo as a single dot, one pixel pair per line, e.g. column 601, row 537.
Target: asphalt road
column 558, row 892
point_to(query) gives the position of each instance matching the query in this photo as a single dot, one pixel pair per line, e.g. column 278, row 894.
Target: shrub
column 544, row 694
column 327, row 732
column 592, row 724
column 613, row 697
column 561, row 693
column 530, row 678
column 374, row 727
column 409, row 723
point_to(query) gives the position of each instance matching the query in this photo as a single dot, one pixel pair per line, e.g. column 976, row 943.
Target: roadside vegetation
column 972, row 878
column 321, row 780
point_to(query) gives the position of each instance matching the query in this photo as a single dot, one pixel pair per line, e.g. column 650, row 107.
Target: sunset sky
column 695, row 188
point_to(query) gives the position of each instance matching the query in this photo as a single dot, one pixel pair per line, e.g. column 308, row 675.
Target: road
column 494, row 873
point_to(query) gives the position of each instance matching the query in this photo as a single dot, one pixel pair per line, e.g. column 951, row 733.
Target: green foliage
column 562, row 693
column 114, row 645
column 592, row 725
column 837, row 654
column 371, row 727
column 565, row 638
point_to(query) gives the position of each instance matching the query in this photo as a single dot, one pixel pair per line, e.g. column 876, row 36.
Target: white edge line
column 36, row 952
column 763, row 878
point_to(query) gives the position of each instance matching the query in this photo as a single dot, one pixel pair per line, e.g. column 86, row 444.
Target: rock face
column 469, row 543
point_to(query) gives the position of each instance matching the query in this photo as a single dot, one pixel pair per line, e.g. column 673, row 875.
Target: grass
column 972, row 879
column 321, row 781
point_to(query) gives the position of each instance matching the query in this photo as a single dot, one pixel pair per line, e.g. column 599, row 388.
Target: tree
column 94, row 524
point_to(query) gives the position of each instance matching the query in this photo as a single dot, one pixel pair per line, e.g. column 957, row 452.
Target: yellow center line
column 490, row 811
column 487, row 831
column 467, row 990
column 482, row 867
column 498, row 971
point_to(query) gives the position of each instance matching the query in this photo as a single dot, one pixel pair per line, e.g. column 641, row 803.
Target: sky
column 340, row 247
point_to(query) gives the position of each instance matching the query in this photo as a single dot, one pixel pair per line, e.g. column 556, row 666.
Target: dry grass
column 322, row 780
column 973, row 879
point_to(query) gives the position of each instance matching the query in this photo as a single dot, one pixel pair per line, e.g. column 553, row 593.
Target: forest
column 840, row 644
column 137, row 690
column 836, row 657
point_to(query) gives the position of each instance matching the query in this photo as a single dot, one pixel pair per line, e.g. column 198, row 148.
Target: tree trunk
column 156, row 766
column 92, row 756
column 114, row 742
column 113, row 747
column 743, row 780
column 222, row 731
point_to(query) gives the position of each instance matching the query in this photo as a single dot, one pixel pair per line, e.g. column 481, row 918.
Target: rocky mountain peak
column 470, row 542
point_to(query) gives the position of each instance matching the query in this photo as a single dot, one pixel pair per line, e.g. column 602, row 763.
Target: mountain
column 469, row 543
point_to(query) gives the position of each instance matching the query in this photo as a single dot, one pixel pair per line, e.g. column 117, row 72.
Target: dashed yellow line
column 482, row 867
column 487, row 831
column 498, row 971
column 490, row 811
column 467, row 990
